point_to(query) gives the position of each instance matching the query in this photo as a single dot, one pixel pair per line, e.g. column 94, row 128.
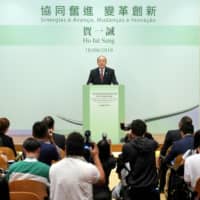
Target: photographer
column 102, row 192
column 72, row 177
column 139, row 153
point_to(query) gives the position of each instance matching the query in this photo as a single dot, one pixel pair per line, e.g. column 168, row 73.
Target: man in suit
column 174, row 135
column 171, row 137
column 102, row 74
column 181, row 146
column 58, row 138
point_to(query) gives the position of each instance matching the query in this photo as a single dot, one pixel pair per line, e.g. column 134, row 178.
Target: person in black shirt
column 59, row 139
column 5, row 140
column 4, row 189
column 140, row 154
column 48, row 150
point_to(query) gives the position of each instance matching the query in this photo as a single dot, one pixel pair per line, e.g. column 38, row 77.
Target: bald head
column 101, row 61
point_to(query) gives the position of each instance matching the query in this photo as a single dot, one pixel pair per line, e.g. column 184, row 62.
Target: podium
column 103, row 110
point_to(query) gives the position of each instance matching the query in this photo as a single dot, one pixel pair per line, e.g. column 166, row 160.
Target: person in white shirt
column 72, row 177
column 191, row 168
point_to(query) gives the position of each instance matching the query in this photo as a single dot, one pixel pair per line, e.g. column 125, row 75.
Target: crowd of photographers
column 84, row 171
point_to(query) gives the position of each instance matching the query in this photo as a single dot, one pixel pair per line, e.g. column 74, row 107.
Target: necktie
column 101, row 75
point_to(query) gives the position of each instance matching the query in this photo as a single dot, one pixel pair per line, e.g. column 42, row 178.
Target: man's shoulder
column 17, row 167
column 94, row 69
column 17, row 164
column 89, row 169
column 42, row 165
column 185, row 139
column 173, row 132
column 173, row 135
column 80, row 163
column 48, row 146
column 59, row 136
column 128, row 147
column 180, row 144
column 58, row 166
column 193, row 158
column 6, row 138
column 37, row 166
column 109, row 69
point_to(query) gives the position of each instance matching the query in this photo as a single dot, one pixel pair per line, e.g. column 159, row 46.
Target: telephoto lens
column 87, row 146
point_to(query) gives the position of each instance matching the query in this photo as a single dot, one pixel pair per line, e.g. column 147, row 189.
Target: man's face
column 101, row 62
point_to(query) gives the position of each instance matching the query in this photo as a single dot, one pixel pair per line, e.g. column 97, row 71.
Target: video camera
column 87, row 145
column 124, row 127
column 104, row 136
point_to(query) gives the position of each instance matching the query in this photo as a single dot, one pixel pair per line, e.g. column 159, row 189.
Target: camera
column 124, row 127
column 104, row 136
column 87, row 145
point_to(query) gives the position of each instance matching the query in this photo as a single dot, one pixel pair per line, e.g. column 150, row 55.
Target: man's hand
column 94, row 151
column 50, row 136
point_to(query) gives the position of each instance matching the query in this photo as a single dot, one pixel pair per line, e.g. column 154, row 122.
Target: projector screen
column 47, row 49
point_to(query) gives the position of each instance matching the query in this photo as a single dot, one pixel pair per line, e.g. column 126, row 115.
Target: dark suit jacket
column 59, row 140
column 109, row 77
column 170, row 138
column 180, row 147
column 7, row 141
